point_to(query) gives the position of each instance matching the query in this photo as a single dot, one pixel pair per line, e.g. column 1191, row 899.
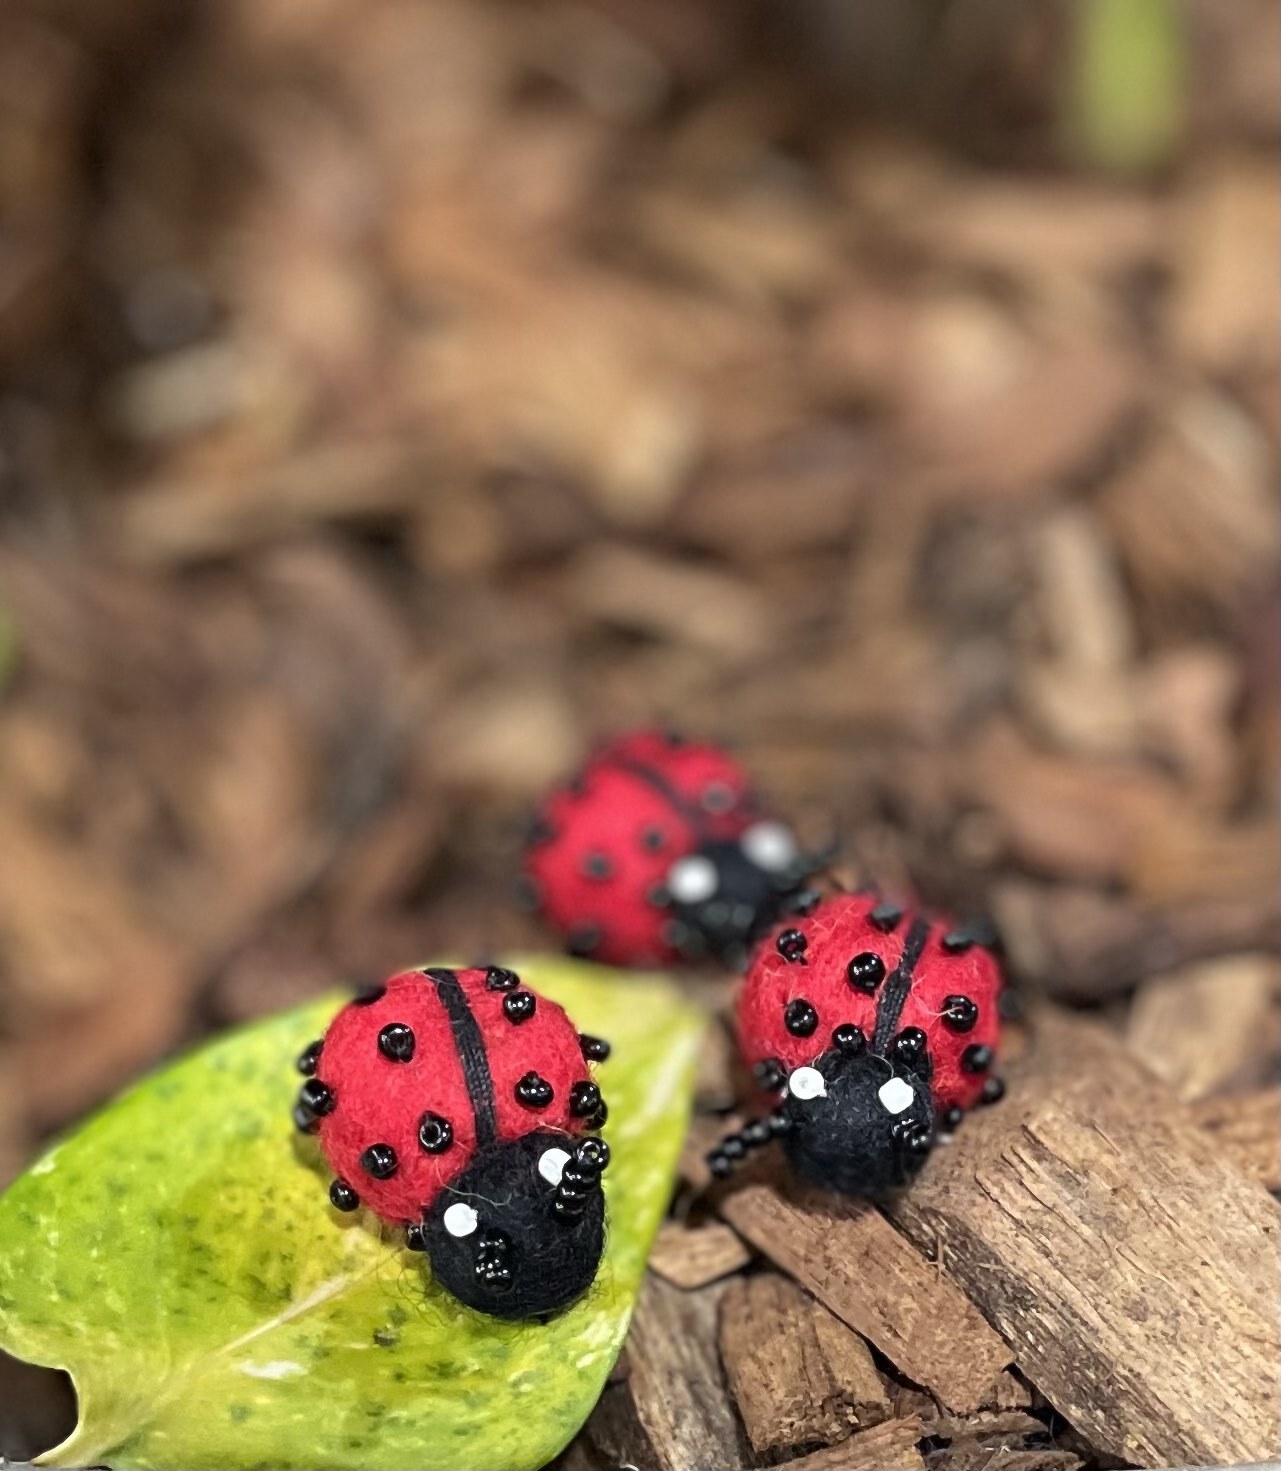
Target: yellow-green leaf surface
column 178, row 1257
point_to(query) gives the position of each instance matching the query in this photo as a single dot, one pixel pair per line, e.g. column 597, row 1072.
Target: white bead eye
column 692, row 879
column 807, row 1082
column 460, row 1219
column 770, row 845
column 896, row 1095
column 551, row 1164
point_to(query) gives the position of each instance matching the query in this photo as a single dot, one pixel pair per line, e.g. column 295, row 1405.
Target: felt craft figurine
column 658, row 852
column 459, row 1106
column 873, row 1028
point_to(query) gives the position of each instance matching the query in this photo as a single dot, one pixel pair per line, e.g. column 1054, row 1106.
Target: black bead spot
column 435, row 1134
column 499, row 979
column 717, row 797
column 367, row 995
column 592, row 1154
column 952, row 1117
column 533, row 1091
column 973, row 932
column 909, row 1045
column 792, row 945
column 960, row 1013
column 866, row 972
column 770, row 1074
column 317, row 1098
column 415, row 1237
column 342, row 1197
column 885, row 916
column 993, row 1090
column 519, row 1006
column 849, row 1038
column 540, row 831
column 309, row 1058
column 800, row 1018
column 976, row 1059
column 806, row 902
column 305, row 1121
column 756, row 1133
column 380, row 1161
column 594, row 1049
column 396, row 1042
column 597, row 866
column 653, row 839
column 659, row 896
column 583, row 939
column 584, row 1100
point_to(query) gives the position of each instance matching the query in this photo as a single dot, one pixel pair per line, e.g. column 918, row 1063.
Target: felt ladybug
column 657, row 851
column 457, row 1104
column 874, row 1027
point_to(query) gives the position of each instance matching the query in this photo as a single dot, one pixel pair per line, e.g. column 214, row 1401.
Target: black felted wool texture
column 846, row 1141
column 553, row 1261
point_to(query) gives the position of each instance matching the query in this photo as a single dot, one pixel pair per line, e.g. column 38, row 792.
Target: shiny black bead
column 800, row 1018
column 653, row 839
column 396, row 1042
column 519, row 1006
column 309, row 1058
column 993, row 1090
column 498, row 978
column 756, row 1133
column 918, row 1141
column 415, row 1238
column 342, row 1197
column 848, row 1038
column 770, row 1074
column 960, row 1014
column 533, row 1091
column 583, row 939
column 976, row 1059
column 909, row 1045
column 367, row 995
column 597, row 866
column 594, row 1049
column 380, row 1161
column 435, row 1134
column 592, row 1154
column 719, row 1166
column 305, row 1121
column 584, row 1100
column 952, row 1117
column 576, row 1181
column 317, row 1098
column 792, row 945
column 597, row 1119
column 733, row 1147
column 865, row 972
column 885, row 916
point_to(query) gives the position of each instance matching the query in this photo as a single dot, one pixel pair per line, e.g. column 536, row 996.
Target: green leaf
column 178, row 1258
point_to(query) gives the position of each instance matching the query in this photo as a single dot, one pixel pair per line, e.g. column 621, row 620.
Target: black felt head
column 519, row 1234
column 727, row 894
column 863, row 1126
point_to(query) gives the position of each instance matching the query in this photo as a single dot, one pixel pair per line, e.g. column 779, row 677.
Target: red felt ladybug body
column 455, row 1104
column 657, row 852
column 873, row 1024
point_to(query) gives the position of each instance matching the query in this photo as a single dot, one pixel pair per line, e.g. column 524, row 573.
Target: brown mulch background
column 396, row 396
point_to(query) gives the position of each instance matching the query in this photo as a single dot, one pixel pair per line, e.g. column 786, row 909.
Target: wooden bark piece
column 693, row 1256
column 681, row 1400
column 1131, row 1266
column 884, row 1447
column 1245, row 1128
column 849, row 1256
column 1199, row 1028
column 799, row 1374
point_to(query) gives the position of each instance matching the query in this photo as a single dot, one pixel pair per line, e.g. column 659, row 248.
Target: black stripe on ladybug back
column 894, row 991
column 470, row 1046
column 659, row 783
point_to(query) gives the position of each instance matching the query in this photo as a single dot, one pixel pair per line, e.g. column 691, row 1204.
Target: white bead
column 896, row 1095
column 807, row 1082
column 460, row 1219
column 770, row 845
column 551, row 1164
column 692, row 879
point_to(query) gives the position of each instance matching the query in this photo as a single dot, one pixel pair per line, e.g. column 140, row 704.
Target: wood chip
column 799, row 1375
column 1203, row 1027
column 1131, row 1266
column 693, row 1256
column 681, row 1400
column 884, row 1447
column 849, row 1256
column 1244, row 1127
